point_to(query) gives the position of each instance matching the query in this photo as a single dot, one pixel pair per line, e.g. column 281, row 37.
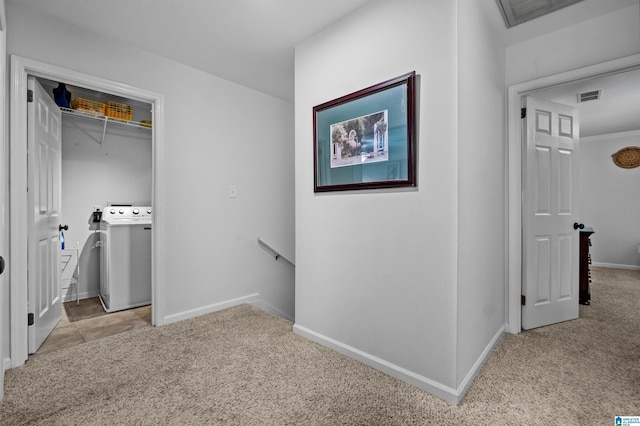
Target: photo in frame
column 366, row 139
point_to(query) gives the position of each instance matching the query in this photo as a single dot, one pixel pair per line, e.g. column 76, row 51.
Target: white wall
column 605, row 38
column 482, row 187
column 610, row 200
column 400, row 312
column 94, row 174
column 216, row 133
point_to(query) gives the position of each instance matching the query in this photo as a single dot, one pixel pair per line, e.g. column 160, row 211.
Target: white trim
column 70, row 296
column 616, row 266
column 477, row 366
column 3, row 17
column 192, row 313
column 611, row 136
column 422, row 382
column 17, row 216
column 514, row 166
column 20, row 68
column 4, row 162
column 438, row 389
column 267, row 307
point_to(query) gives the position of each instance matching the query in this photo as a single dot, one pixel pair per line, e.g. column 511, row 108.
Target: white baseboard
column 477, row 366
column 71, row 296
column 261, row 304
column 250, row 299
column 616, row 266
column 6, row 364
column 431, row 386
column 438, row 389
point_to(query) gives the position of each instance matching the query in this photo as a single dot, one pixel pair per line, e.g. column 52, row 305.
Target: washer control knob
column 136, row 211
column 112, row 211
column 121, row 211
column 148, row 211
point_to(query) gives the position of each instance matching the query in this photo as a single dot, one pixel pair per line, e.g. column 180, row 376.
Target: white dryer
column 125, row 264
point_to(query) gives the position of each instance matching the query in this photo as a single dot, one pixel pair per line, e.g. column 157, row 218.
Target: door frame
column 3, row 183
column 20, row 68
column 515, row 94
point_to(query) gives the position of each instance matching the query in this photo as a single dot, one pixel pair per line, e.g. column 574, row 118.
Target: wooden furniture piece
column 585, row 261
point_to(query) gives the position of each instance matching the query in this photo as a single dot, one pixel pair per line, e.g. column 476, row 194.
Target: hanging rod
column 104, row 119
column 275, row 254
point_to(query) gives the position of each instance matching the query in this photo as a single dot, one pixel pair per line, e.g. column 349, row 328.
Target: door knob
column 61, row 228
column 578, row 225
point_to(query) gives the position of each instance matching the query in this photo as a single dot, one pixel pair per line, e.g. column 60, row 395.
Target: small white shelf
column 99, row 117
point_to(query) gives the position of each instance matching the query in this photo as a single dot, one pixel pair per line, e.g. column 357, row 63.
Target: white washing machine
column 125, row 264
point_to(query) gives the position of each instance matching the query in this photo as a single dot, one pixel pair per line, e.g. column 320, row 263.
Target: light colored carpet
column 242, row 366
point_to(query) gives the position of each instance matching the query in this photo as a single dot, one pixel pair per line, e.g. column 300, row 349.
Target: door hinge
column 29, row 95
column 30, row 319
column 523, row 300
column 523, row 112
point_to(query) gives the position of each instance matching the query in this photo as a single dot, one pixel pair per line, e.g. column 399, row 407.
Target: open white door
column 550, row 254
column 44, row 187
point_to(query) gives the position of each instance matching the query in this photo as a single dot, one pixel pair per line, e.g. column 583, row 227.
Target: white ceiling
column 251, row 42
column 617, row 110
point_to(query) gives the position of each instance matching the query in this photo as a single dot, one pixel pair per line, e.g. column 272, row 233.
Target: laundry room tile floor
column 88, row 321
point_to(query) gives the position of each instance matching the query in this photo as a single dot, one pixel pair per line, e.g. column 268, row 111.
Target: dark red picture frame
column 366, row 139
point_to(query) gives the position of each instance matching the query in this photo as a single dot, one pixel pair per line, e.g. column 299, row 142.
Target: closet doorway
column 106, row 161
column 21, row 68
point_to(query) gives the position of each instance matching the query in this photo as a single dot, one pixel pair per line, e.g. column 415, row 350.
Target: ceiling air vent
column 589, row 96
column 516, row 12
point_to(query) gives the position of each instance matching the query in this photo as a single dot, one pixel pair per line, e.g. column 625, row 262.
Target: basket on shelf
column 81, row 104
column 118, row 111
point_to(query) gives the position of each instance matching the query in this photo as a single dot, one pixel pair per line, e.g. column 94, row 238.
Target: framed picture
column 366, row 139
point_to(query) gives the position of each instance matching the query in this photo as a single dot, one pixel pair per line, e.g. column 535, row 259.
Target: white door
column 44, row 185
column 550, row 210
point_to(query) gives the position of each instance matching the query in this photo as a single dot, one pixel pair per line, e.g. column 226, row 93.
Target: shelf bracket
column 104, row 130
column 87, row 133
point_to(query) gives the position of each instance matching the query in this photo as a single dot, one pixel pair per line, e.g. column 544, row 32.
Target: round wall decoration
column 627, row 158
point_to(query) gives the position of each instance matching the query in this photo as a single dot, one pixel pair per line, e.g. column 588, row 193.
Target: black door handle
column 65, row 228
column 1, row 265
column 577, row 225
